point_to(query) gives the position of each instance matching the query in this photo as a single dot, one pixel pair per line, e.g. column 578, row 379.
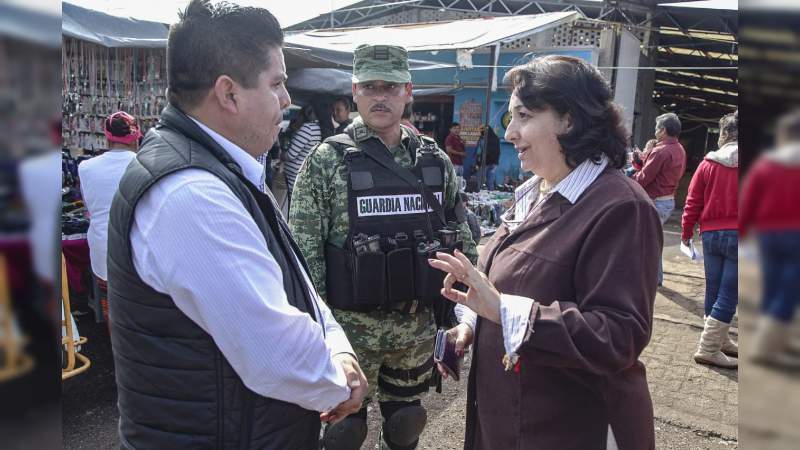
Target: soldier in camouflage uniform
column 394, row 343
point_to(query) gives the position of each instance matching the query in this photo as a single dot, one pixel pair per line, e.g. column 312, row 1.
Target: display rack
column 98, row 81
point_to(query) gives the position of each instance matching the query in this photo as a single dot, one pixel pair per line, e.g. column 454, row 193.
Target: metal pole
column 482, row 172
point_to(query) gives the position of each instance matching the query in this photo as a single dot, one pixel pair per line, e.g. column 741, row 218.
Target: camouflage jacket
column 318, row 212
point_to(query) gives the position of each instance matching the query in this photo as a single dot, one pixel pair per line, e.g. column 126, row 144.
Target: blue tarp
column 29, row 26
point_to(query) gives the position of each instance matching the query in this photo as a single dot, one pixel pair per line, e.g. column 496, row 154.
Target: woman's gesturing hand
column 481, row 296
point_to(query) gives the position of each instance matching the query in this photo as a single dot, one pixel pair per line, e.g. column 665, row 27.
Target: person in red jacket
column 663, row 168
column 640, row 157
column 454, row 146
column 713, row 202
column 771, row 208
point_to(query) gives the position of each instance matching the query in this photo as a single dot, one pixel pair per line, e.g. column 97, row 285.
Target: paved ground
column 684, row 393
column 696, row 407
column 771, row 399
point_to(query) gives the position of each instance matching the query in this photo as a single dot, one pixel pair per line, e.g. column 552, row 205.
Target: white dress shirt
column 193, row 240
column 99, row 182
column 515, row 310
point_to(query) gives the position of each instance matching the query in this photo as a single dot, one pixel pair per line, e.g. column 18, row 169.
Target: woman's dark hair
column 307, row 113
column 343, row 100
column 211, row 40
column 571, row 86
column 321, row 106
column 118, row 126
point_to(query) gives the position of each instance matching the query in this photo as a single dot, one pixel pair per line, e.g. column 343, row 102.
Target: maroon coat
column 592, row 268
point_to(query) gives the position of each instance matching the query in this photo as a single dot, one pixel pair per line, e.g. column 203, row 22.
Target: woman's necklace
column 544, row 189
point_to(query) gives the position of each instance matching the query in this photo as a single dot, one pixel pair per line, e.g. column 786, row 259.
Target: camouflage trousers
column 393, row 349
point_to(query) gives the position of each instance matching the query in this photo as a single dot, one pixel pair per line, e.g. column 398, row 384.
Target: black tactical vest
column 397, row 222
column 176, row 389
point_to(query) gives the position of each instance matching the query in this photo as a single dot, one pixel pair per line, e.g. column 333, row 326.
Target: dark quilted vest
column 176, row 389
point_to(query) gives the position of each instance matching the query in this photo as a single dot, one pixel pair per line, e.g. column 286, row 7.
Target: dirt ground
column 695, row 407
column 90, row 415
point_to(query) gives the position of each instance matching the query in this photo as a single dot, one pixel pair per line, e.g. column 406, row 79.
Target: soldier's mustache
column 381, row 107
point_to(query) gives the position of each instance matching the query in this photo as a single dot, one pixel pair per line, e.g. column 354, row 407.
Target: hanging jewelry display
column 98, row 81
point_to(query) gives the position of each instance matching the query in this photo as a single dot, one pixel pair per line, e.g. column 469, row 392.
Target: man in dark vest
column 369, row 207
column 220, row 339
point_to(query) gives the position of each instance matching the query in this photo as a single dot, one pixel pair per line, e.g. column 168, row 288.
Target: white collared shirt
column 193, row 240
column 515, row 310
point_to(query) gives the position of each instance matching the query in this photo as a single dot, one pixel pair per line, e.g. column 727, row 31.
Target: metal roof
column 459, row 34
column 693, row 47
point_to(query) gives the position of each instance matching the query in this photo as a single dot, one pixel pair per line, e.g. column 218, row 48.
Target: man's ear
column 409, row 92
column 355, row 92
column 226, row 94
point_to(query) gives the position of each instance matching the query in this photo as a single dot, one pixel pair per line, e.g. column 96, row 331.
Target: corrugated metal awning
column 455, row 35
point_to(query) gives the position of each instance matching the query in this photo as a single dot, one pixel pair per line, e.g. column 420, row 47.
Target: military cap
column 380, row 62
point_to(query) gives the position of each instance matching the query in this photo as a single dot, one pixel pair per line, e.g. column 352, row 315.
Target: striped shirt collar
column 571, row 188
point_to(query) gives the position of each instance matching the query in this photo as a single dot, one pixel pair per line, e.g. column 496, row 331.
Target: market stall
column 109, row 64
column 489, row 207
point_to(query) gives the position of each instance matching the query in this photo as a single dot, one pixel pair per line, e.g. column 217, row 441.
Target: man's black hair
column 213, row 40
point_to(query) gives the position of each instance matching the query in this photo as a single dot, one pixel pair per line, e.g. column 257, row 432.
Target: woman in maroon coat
column 561, row 304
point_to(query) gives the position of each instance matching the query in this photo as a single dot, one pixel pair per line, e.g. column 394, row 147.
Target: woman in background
column 303, row 140
column 713, row 202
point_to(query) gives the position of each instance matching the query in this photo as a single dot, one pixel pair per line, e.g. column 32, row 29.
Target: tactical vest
column 396, row 221
column 176, row 389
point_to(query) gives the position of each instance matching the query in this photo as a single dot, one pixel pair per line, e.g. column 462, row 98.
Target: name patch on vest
column 388, row 205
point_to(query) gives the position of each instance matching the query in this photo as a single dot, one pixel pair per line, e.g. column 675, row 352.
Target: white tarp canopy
column 459, row 34
column 111, row 31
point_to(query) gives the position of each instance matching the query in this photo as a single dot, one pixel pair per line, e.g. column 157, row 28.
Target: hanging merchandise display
column 74, row 217
column 489, row 206
column 98, row 81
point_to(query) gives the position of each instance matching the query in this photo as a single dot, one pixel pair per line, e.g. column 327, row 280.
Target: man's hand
column 463, row 335
column 686, row 242
column 357, row 383
column 637, row 156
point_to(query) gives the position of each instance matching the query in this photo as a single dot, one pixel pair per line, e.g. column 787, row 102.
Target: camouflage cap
column 380, row 62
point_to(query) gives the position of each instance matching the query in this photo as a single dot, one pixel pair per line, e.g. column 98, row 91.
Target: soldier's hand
column 358, row 385
column 463, row 335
